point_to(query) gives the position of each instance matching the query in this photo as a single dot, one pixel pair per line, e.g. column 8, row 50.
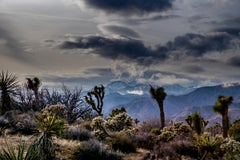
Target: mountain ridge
column 143, row 107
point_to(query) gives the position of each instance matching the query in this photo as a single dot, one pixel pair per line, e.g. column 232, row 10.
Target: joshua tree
column 34, row 84
column 98, row 93
column 196, row 122
column 159, row 95
column 8, row 86
column 221, row 107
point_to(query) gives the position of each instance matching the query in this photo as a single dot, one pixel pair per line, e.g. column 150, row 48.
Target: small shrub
column 145, row 140
column 231, row 148
column 149, row 124
column 166, row 136
column 208, row 146
column 121, row 142
column 78, row 133
column 234, row 130
column 25, row 127
column 155, row 131
column 119, row 122
column 94, row 150
column 215, row 130
column 184, row 147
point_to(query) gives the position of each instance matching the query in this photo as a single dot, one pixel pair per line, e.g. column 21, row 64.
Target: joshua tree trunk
column 225, row 124
column 162, row 115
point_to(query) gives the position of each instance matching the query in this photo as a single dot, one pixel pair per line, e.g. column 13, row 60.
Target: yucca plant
column 208, row 146
column 22, row 153
column 48, row 126
column 8, row 86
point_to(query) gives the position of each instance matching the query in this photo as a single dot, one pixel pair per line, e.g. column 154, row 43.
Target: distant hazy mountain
column 179, row 103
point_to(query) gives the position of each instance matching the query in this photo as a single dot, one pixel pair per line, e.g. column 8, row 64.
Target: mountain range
column 179, row 103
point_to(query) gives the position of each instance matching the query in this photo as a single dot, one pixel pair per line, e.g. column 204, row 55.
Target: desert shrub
column 166, row 136
column 77, row 133
column 234, row 130
column 23, row 123
column 145, row 140
column 24, row 127
column 215, row 130
column 21, row 153
column 86, row 124
column 4, row 124
column 99, row 129
column 174, row 150
column 155, row 131
column 177, row 130
column 165, row 151
column 149, row 124
column 54, row 110
column 184, row 147
column 121, row 142
column 94, row 150
column 118, row 122
column 231, row 148
column 208, row 146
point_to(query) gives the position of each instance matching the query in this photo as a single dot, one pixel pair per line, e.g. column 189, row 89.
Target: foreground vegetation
column 37, row 123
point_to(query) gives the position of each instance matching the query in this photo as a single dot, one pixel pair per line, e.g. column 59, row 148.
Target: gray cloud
column 130, row 7
column 120, row 30
column 127, row 49
column 106, row 72
column 234, row 61
column 230, row 30
column 195, row 45
column 193, row 69
column 11, row 43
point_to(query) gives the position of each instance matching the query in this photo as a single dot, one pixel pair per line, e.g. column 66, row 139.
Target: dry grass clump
column 65, row 148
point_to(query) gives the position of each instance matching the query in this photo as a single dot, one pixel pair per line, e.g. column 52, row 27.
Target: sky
column 84, row 43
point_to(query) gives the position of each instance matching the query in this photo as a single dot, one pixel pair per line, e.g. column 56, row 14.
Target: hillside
column 177, row 107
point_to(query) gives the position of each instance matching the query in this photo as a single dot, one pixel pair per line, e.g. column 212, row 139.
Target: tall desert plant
column 8, row 86
column 98, row 94
column 196, row 122
column 34, row 84
column 221, row 107
column 159, row 95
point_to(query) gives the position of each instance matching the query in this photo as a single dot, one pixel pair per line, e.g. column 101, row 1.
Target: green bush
column 94, row 150
column 119, row 122
column 22, row 153
column 208, row 145
column 121, row 142
column 48, row 126
column 166, row 136
column 155, row 131
column 234, row 130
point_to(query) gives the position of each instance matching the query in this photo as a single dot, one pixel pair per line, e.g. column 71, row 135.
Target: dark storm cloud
column 197, row 45
column 130, row 7
column 234, row 61
column 116, row 49
column 193, row 45
column 230, row 31
column 122, row 31
column 193, row 69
